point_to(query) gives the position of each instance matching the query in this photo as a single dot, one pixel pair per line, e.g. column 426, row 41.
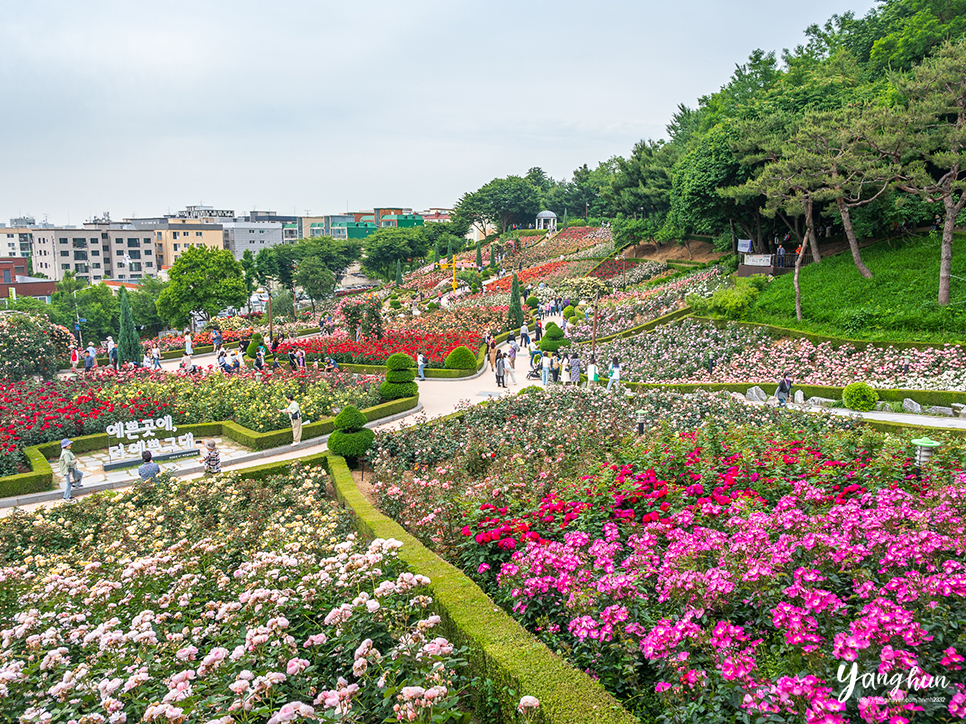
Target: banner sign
column 143, row 433
column 744, row 245
column 757, row 259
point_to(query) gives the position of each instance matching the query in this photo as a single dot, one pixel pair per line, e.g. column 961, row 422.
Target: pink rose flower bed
column 679, row 353
column 228, row 601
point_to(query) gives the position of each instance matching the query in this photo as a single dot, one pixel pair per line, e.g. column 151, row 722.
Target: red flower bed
column 375, row 351
column 537, row 273
column 611, row 268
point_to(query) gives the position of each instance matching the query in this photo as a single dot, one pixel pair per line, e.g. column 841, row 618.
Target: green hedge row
column 784, row 332
column 498, row 647
column 41, row 477
column 926, row 398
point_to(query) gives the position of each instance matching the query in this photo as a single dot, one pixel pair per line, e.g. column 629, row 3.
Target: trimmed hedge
column 499, row 648
column 41, row 476
column 460, row 358
column 647, row 326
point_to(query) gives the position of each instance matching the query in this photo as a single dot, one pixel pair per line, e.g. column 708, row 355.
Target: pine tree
column 492, row 257
column 516, row 311
column 128, row 343
column 399, row 277
column 479, row 256
column 436, row 253
column 449, row 251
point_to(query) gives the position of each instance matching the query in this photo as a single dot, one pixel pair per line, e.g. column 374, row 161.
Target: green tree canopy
column 387, row 246
column 203, row 281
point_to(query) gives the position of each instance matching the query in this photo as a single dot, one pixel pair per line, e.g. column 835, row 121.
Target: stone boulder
column 959, row 409
column 756, row 394
column 940, row 411
column 909, row 405
column 882, row 406
column 820, row 401
column 799, row 397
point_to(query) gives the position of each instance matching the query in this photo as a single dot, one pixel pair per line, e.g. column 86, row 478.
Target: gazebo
column 547, row 220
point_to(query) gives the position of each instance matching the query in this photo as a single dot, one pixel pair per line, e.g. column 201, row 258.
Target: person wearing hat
column 295, row 415
column 68, row 468
column 211, row 458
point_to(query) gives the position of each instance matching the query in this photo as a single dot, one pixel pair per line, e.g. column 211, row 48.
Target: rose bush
column 435, row 345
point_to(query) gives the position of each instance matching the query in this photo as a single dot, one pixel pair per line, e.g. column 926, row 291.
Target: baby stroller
column 534, row 373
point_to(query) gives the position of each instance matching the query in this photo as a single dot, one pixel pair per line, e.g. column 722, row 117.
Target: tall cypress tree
column 479, row 256
column 399, row 278
column 449, row 251
column 492, row 257
column 128, row 342
column 436, row 253
column 516, row 311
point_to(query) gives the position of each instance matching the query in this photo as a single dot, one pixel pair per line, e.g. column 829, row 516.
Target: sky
column 143, row 108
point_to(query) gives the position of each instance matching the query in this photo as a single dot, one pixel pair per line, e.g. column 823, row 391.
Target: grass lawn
column 898, row 303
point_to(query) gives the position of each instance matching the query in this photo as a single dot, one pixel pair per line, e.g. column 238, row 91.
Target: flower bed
column 222, row 600
column 711, row 573
column 37, row 412
column 621, row 271
column 679, row 353
column 435, row 345
column 544, row 273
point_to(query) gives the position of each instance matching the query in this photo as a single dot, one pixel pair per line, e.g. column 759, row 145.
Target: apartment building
column 95, row 252
column 239, row 236
column 16, row 241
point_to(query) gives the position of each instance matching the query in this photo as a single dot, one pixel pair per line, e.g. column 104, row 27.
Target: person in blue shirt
column 149, row 468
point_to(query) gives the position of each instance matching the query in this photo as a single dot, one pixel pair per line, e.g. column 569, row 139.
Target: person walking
column 74, row 357
column 187, row 343
column 211, row 458
column 538, row 330
column 511, row 356
column 508, row 369
column 421, row 365
column 492, row 353
column 156, row 356
column 498, row 369
column 614, row 374
column 564, row 367
column 217, row 339
column 88, row 361
column 114, row 358
column 575, row 370
column 545, row 369
column 295, row 415
column 555, row 367
column 148, row 468
column 68, row 468
column 109, row 345
column 784, row 388
column 591, row 373
column 524, row 334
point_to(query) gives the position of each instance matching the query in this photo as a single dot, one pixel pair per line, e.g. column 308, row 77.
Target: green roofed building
column 401, row 221
column 353, row 229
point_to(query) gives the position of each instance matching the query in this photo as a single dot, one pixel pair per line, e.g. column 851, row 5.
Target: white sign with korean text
column 144, row 434
column 757, row 259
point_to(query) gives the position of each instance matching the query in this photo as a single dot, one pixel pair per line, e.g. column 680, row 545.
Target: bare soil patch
column 700, row 251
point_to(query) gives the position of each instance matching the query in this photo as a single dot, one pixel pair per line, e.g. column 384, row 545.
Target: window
column 134, row 266
column 177, row 247
column 147, row 252
column 251, row 231
column 62, row 241
column 6, row 276
column 95, row 265
column 134, row 253
column 79, row 243
column 80, row 256
column 134, row 243
column 147, row 240
column 95, row 252
column 120, row 276
column 65, row 266
column 261, row 231
column 119, row 252
column 175, row 234
column 64, row 252
column 197, row 233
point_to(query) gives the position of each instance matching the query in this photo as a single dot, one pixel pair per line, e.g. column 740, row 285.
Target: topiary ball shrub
column 860, row 397
column 350, row 439
column 399, row 361
column 553, row 339
column 256, row 342
column 395, row 304
column 568, row 312
column 397, row 376
column 398, row 390
column 461, row 358
column 532, row 302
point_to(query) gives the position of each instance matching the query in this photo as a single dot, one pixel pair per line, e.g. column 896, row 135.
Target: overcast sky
column 142, row 108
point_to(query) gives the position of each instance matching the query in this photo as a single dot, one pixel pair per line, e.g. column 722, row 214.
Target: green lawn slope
column 898, row 303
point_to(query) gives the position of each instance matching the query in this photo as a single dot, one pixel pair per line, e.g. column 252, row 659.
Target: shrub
column 398, row 390
column 731, row 302
column 399, row 361
column 350, row 439
column 461, row 358
column 395, row 304
column 860, row 397
column 568, row 311
column 397, row 376
column 553, row 339
column 256, row 342
column 532, row 302
column 46, row 343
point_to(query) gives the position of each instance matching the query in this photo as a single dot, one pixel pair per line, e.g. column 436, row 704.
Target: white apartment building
column 95, row 252
column 254, row 236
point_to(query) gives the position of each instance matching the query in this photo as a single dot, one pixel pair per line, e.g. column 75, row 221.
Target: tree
column 387, row 246
column 436, row 252
column 500, row 202
column 250, row 270
column 144, row 306
column 316, row 280
column 479, row 255
column 936, row 117
column 399, row 275
column 128, row 343
column 203, row 281
column 515, row 311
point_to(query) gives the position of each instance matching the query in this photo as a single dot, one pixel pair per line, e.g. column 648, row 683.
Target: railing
column 776, row 261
